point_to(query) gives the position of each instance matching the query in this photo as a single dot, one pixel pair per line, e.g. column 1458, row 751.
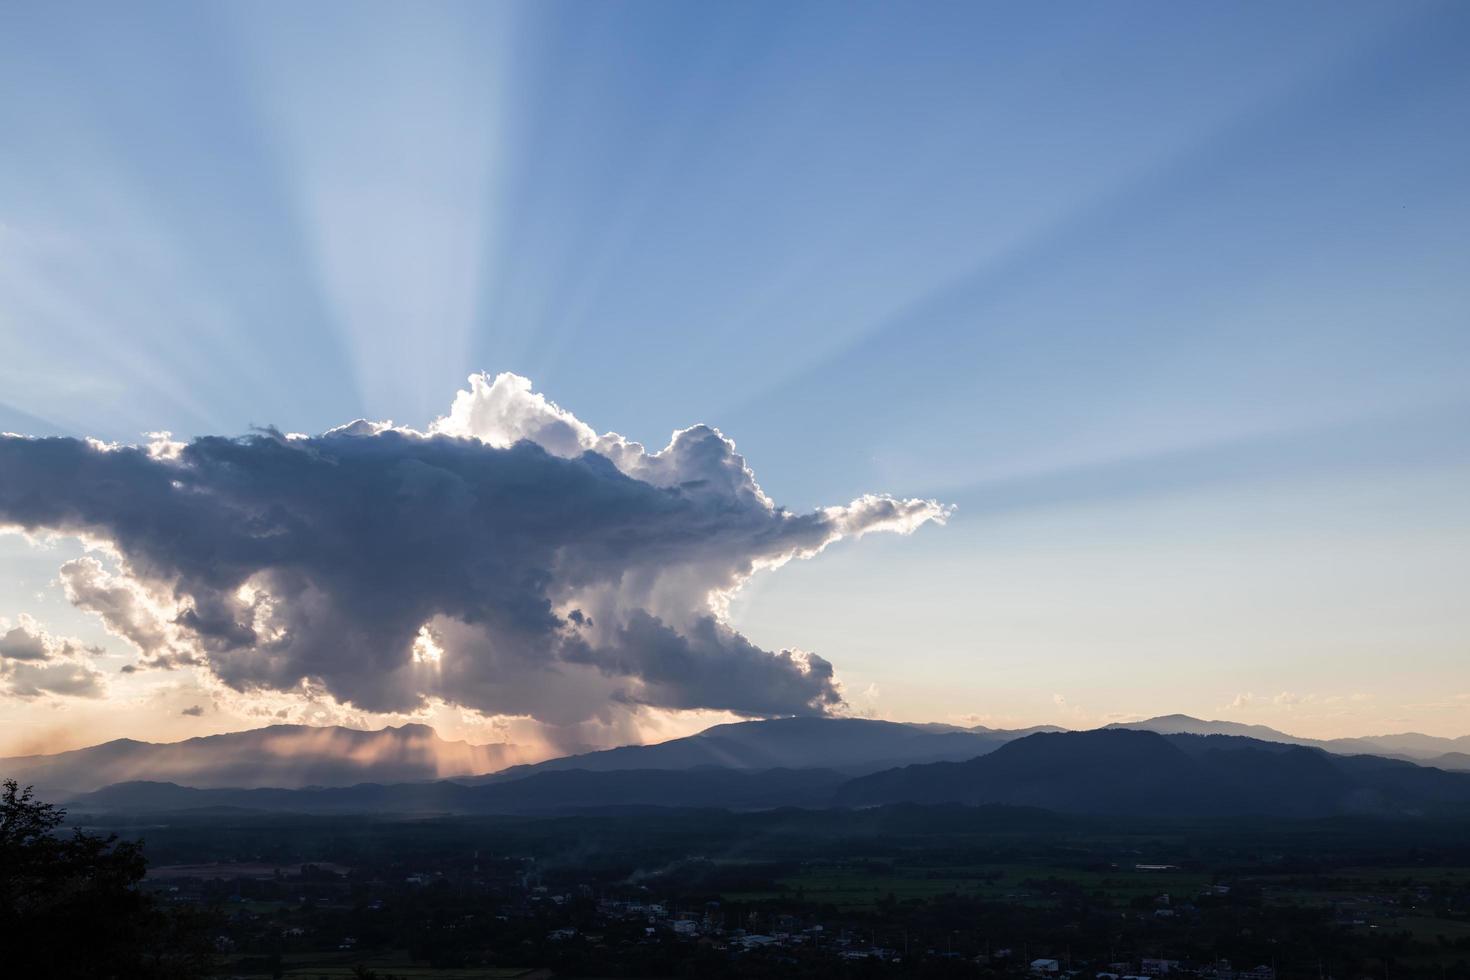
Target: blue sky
column 1171, row 299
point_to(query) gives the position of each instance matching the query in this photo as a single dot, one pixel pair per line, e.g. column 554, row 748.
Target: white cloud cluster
column 34, row 663
column 509, row 559
column 128, row 610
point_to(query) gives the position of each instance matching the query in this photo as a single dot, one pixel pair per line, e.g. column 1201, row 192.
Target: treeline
column 70, row 906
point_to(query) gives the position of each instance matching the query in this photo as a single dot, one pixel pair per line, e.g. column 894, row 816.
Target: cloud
column 34, row 662
column 20, row 643
column 28, row 640
column 25, row 680
column 193, row 711
column 509, row 560
column 126, row 610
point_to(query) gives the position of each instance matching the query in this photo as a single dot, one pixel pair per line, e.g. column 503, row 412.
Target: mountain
column 1103, row 772
column 850, row 745
column 1185, row 725
column 1412, row 745
column 544, row 792
column 286, row 756
column 1171, row 764
column 295, row 756
column 1406, row 745
column 1135, row 772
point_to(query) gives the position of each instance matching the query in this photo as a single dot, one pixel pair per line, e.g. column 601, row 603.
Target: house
column 868, row 953
column 1157, row 967
column 757, row 941
column 1045, row 967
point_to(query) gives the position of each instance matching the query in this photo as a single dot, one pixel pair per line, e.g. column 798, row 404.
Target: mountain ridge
column 297, row 756
column 851, row 745
column 285, row 756
column 1404, row 745
column 1126, row 771
column 1103, row 772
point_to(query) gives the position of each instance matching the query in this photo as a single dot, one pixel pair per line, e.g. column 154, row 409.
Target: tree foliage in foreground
column 70, row 905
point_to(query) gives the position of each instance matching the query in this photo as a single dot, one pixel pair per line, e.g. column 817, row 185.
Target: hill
column 546, row 792
column 297, row 756
column 851, row 745
column 1187, row 725
column 1129, row 772
column 1118, row 772
column 1172, row 763
column 1443, row 752
column 286, row 756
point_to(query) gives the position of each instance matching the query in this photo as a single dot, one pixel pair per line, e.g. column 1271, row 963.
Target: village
column 510, row 911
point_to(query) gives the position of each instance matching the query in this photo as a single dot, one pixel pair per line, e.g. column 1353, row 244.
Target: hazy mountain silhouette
column 1186, row 725
column 1107, row 771
column 278, row 756
column 851, row 745
column 1405, row 745
column 534, row 793
column 295, row 756
column 1128, row 771
column 1174, row 764
column 1409, row 745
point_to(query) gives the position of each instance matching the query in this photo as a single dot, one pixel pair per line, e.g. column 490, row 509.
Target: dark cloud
column 706, row 667
column 193, row 711
column 29, row 641
column 20, row 643
column 384, row 566
column 28, row 680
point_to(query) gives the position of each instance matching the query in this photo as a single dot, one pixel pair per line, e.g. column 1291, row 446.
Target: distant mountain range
column 1104, row 772
column 296, row 756
column 1445, row 753
column 1172, row 765
column 540, row 792
column 1139, row 772
column 288, row 756
column 849, row 745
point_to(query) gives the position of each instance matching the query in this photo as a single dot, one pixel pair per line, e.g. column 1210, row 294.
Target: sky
column 1148, row 323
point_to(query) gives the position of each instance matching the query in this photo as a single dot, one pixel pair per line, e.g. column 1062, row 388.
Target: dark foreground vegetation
column 901, row 891
column 71, row 905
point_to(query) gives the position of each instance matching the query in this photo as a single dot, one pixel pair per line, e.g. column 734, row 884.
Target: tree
column 70, row 905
